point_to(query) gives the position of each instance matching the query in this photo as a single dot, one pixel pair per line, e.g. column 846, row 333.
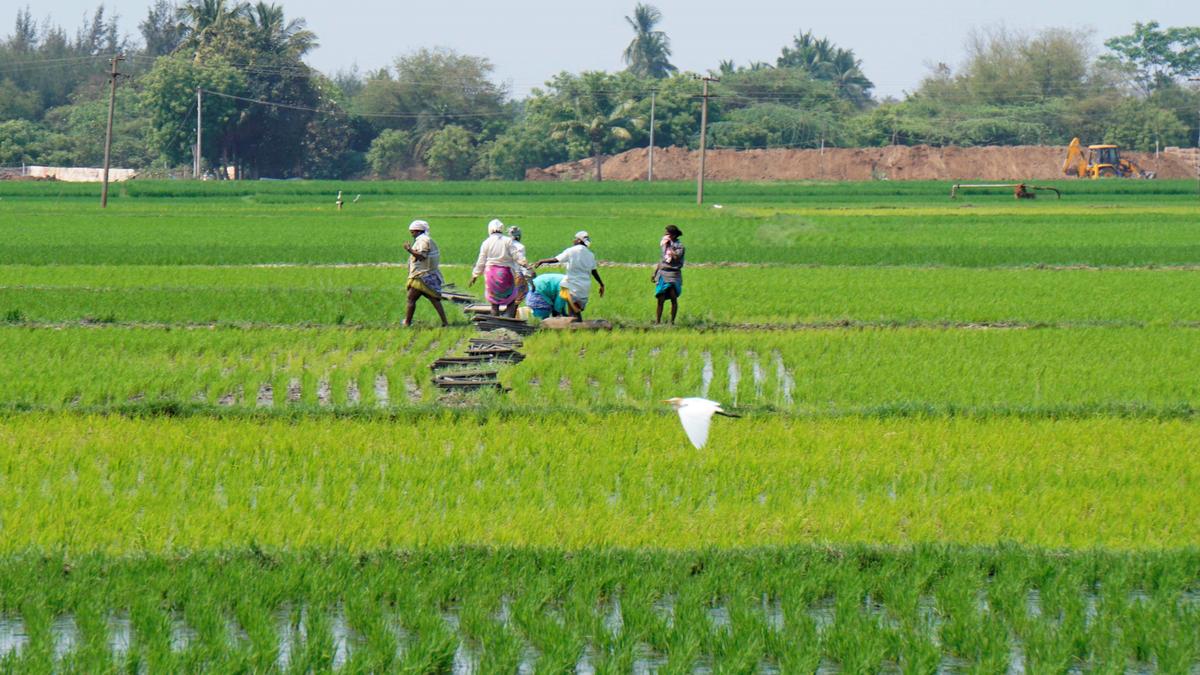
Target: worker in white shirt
column 580, row 266
column 424, row 273
column 497, row 263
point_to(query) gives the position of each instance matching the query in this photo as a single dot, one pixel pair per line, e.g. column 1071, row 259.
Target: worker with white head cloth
column 523, row 270
column 580, row 266
column 497, row 263
column 424, row 273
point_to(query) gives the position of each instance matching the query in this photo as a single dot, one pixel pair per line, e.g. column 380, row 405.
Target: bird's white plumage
column 696, row 416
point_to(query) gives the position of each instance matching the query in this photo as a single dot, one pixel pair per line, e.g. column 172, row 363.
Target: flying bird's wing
column 696, row 420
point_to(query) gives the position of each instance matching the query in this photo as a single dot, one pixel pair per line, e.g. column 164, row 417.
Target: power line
column 292, row 106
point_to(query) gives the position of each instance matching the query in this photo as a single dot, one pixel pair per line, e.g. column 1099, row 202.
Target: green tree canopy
column 821, row 59
column 1156, row 57
column 451, row 153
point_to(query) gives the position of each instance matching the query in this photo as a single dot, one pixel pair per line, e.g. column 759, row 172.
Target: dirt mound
column 896, row 162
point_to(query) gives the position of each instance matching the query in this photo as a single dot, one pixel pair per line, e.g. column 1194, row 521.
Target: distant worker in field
column 523, row 271
column 580, row 266
column 668, row 273
column 545, row 297
column 424, row 273
column 497, row 264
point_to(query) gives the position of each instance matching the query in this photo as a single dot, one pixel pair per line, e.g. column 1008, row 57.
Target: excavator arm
column 1075, row 163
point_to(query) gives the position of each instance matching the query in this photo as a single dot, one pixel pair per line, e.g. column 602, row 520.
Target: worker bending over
column 545, row 298
column 580, row 268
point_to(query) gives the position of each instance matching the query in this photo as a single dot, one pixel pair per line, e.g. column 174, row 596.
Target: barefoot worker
column 580, row 269
column 497, row 263
column 668, row 274
column 424, row 275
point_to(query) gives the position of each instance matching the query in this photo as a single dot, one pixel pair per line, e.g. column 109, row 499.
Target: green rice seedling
column 777, row 295
column 195, row 482
column 842, row 225
column 243, row 592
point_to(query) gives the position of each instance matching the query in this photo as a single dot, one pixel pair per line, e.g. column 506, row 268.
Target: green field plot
column 827, row 372
column 967, row 440
column 582, row 481
column 1116, row 226
column 102, row 367
column 928, row 609
column 875, row 371
column 714, row 297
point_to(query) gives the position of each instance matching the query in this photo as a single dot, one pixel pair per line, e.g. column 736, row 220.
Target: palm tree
column 270, row 33
column 598, row 129
column 823, row 60
column 807, row 52
column 845, row 72
column 648, row 54
column 202, row 20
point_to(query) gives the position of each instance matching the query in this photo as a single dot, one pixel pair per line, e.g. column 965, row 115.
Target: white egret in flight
column 696, row 415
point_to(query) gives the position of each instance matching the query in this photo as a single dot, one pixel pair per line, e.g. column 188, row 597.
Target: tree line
column 438, row 113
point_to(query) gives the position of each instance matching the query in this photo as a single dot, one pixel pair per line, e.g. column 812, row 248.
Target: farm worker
column 544, row 298
column 424, row 275
column 497, row 262
column 524, row 273
column 580, row 266
column 668, row 273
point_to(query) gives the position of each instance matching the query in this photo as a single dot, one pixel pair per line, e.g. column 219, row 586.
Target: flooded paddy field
column 966, row 444
column 857, row 609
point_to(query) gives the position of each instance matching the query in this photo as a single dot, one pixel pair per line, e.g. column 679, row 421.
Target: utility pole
column 703, row 139
column 1197, row 79
column 112, row 102
column 199, row 131
column 650, row 172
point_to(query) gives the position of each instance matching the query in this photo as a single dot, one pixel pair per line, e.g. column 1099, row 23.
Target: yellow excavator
column 1102, row 161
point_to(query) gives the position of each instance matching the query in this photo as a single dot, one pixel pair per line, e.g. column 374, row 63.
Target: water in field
column 120, row 635
column 13, row 635
column 65, row 635
column 292, row 628
column 706, row 374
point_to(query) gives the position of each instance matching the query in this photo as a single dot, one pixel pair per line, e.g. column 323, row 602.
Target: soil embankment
column 897, row 162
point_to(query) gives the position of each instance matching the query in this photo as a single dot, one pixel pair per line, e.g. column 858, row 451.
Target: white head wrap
column 418, row 226
column 582, row 236
column 495, row 226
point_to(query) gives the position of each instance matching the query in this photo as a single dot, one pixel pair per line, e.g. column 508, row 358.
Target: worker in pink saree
column 496, row 263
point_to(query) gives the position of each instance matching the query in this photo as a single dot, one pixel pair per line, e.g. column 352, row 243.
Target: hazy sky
column 530, row 40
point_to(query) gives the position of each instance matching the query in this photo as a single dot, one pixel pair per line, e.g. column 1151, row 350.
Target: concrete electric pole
column 197, row 168
column 703, row 139
column 650, row 171
column 112, row 102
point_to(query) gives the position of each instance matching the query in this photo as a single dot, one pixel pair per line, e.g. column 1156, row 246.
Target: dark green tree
column 1157, row 57
column 600, row 119
column 161, row 30
column 451, row 153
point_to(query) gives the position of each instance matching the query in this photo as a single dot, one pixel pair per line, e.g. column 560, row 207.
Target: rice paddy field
column 968, row 443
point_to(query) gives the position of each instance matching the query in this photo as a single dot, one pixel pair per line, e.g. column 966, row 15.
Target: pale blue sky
column 530, row 40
